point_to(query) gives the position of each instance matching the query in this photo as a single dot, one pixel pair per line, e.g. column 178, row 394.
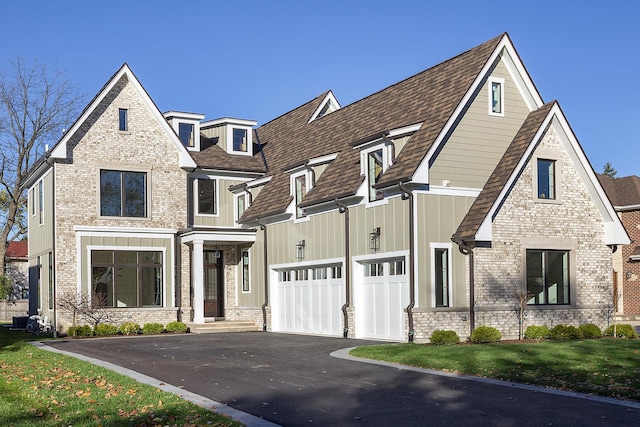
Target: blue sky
column 259, row 59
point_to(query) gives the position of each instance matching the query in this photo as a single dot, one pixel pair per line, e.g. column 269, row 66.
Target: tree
column 35, row 106
column 609, row 171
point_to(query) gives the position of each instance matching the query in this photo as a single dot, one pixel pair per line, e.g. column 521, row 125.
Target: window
column 396, row 268
column 39, row 280
column 546, row 179
column 186, row 134
column 373, row 269
column 123, row 194
column 207, row 197
column 441, row 269
column 374, row 172
column 33, row 202
column 285, row 275
column 240, row 140
column 301, row 189
column 240, row 205
column 302, row 274
column 547, row 276
column 245, row 271
column 41, row 202
column 336, row 272
column 126, row 278
column 319, row 273
column 496, row 96
column 123, row 120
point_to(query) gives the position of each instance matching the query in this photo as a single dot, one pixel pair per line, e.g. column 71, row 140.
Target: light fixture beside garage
column 374, row 240
column 300, row 250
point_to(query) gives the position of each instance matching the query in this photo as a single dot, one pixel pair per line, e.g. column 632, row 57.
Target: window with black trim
column 126, row 278
column 123, row 123
column 186, row 134
column 547, row 276
column 123, row 194
column 207, row 198
column 546, row 179
column 441, row 267
column 240, row 140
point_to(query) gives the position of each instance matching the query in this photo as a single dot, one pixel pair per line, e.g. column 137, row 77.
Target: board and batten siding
column 40, row 236
column 226, row 207
column 478, row 142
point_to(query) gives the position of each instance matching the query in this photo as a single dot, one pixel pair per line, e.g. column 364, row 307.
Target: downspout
column 263, row 227
column 53, row 251
column 347, row 269
column 412, row 292
column 245, row 188
column 468, row 250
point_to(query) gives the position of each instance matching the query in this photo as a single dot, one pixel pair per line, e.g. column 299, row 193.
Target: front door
column 213, row 284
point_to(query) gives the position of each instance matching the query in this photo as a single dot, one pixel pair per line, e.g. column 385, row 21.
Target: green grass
column 41, row 388
column 604, row 367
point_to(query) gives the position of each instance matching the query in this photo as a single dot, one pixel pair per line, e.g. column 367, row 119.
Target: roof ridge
column 322, row 95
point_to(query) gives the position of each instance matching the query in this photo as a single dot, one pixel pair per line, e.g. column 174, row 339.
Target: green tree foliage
column 609, row 171
column 5, row 287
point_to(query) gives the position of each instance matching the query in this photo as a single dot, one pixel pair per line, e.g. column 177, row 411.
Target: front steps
column 223, row 326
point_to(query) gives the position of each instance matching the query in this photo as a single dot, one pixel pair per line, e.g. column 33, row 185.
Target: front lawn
column 41, row 388
column 606, row 367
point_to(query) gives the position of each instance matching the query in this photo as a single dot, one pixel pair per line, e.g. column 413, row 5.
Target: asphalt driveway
column 292, row 380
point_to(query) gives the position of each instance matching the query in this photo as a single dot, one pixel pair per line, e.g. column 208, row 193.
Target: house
column 427, row 205
column 624, row 194
column 17, row 269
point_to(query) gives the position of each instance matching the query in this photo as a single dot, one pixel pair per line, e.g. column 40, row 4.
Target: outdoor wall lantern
column 374, row 240
column 629, row 274
column 216, row 252
column 300, row 250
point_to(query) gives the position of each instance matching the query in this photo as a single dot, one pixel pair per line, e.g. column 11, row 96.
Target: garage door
column 381, row 300
column 308, row 300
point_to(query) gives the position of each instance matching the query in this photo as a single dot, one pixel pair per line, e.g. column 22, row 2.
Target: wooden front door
column 213, row 284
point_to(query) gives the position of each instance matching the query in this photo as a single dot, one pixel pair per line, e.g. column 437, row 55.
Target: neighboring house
column 427, row 205
column 17, row 268
column 624, row 194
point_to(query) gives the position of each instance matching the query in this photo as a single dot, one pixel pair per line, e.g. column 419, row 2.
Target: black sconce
column 374, row 240
column 300, row 250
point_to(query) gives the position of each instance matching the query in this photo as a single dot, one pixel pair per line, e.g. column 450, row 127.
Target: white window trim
column 292, row 186
column 555, row 157
column 248, row 250
column 364, row 170
column 490, row 82
column 236, row 213
column 41, row 212
column 195, row 197
column 432, row 252
column 230, row 127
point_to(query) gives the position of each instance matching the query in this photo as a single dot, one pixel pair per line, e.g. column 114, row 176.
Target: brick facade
column 630, row 273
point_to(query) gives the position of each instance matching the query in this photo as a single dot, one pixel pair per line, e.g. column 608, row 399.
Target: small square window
column 185, row 132
column 123, row 120
column 240, row 140
column 546, row 179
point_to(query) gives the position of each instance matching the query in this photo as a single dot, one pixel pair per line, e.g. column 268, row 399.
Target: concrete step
column 223, row 326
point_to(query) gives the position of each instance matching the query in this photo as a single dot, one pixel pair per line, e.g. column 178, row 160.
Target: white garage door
column 381, row 300
column 308, row 300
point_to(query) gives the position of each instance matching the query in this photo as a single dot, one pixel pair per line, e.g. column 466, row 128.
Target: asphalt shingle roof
column 480, row 208
column 622, row 191
column 429, row 97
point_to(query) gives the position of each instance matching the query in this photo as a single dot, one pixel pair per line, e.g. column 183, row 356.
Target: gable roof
column 623, row 192
column 18, row 250
column 59, row 150
column 429, row 97
column 476, row 225
column 212, row 156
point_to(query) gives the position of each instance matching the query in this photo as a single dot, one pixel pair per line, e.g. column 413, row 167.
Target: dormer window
column 300, row 190
column 375, row 166
column 240, row 140
column 185, row 133
column 496, row 96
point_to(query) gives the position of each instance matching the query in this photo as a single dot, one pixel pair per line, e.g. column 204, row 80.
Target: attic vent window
column 240, row 140
column 185, row 132
column 326, row 109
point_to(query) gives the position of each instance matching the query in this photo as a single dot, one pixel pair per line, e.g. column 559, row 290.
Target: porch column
column 197, row 278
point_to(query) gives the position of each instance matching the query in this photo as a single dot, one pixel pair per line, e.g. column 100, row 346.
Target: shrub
column 104, row 330
column 130, row 328
column 177, row 327
column 80, row 331
column 485, row 334
column 564, row 332
column 589, row 330
column 623, row 330
column 537, row 332
column 152, row 328
column 441, row 337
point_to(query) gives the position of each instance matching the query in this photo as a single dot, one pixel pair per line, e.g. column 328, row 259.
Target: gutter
column 263, row 227
column 344, row 209
column 468, row 250
column 412, row 292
